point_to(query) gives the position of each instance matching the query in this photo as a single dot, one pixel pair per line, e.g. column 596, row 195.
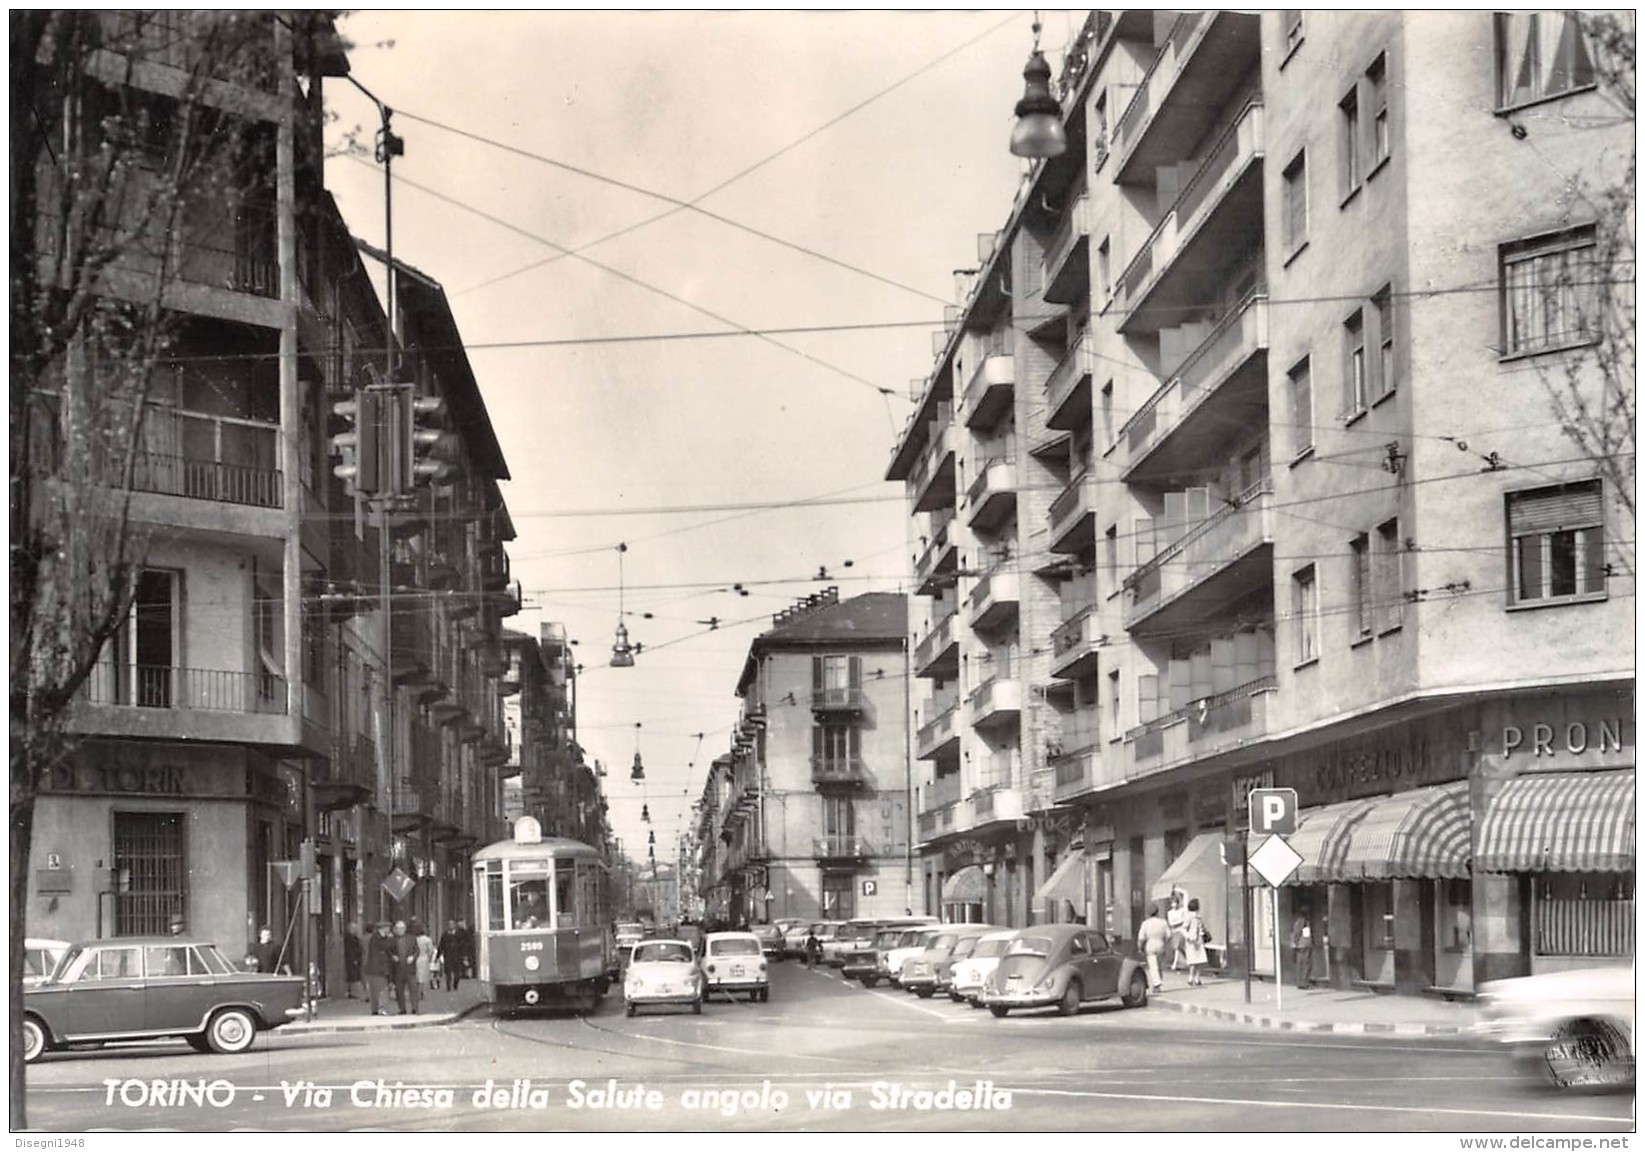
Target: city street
column 822, row 1054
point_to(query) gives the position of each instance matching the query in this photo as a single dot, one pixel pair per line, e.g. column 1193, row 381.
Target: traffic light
column 426, row 446
column 359, row 449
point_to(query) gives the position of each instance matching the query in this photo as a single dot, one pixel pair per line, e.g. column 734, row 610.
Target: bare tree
column 123, row 138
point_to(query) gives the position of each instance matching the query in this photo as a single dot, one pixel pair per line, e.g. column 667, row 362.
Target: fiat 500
column 1065, row 965
column 662, row 972
column 733, row 963
column 145, row 989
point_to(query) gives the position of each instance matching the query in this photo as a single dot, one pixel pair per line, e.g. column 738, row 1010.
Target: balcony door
column 839, row 823
column 138, row 665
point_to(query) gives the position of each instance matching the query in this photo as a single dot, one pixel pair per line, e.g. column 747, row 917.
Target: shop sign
column 1396, row 761
column 141, row 780
column 1574, row 738
column 967, row 851
column 1241, row 787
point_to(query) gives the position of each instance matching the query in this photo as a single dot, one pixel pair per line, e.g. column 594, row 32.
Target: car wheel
column 924, row 993
column 1069, row 1005
column 1588, row 1054
column 34, row 1039
column 231, row 1030
column 974, row 1003
column 870, row 981
column 999, row 1010
column 1136, row 995
column 697, row 1006
column 765, row 995
column 198, row 1043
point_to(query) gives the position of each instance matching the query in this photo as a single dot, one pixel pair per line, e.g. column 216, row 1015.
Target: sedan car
column 928, row 971
column 136, row 988
column 733, row 963
column 970, row 973
column 1571, row 1029
column 771, row 940
column 663, row 972
column 40, row 956
column 1065, row 965
column 909, row 945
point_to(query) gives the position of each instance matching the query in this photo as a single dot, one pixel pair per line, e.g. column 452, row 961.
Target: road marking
column 943, row 1016
column 706, row 1047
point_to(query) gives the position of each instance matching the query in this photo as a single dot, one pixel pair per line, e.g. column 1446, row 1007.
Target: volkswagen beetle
column 1063, row 965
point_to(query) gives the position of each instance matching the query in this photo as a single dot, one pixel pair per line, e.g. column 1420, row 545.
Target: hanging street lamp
column 1038, row 134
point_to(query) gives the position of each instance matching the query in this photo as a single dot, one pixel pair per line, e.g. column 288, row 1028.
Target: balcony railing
column 841, row 848
column 1065, row 378
column 205, row 689
column 206, row 480
column 838, row 699
column 1073, row 632
column 836, row 770
column 940, row 545
column 1203, row 727
column 936, row 640
column 1058, row 275
column 1201, row 551
column 1128, row 129
column 936, row 730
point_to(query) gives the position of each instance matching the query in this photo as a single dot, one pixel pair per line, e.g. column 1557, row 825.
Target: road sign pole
column 1279, row 984
column 1245, row 912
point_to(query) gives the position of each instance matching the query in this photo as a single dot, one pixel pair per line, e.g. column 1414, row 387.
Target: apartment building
column 807, row 814
column 244, row 728
column 557, row 788
column 1319, row 526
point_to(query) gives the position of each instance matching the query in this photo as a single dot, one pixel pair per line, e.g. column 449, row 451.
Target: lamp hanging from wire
column 622, row 652
column 637, row 773
column 1039, row 134
column 645, row 813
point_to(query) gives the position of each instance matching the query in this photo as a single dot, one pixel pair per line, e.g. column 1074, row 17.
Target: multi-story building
column 807, row 815
column 1316, row 526
column 557, row 788
column 243, row 726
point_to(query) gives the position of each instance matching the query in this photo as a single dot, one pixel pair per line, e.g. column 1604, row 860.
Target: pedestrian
column 352, row 950
column 264, row 955
column 813, row 947
column 465, row 944
column 406, row 989
column 450, row 948
column 380, row 965
column 1194, row 937
column 1152, row 939
column 1175, row 916
column 426, row 956
column 1302, row 951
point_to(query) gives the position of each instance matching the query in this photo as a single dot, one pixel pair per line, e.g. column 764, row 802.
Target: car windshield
column 1029, row 946
column 664, row 953
column 733, row 947
column 887, row 939
column 964, row 947
column 989, row 947
column 908, row 939
column 944, row 942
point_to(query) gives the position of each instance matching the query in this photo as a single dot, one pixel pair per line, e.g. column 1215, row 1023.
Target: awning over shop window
column 1560, row 822
column 1067, row 882
column 1425, row 833
column 1200, row 873
column 967, row 886
column 1321, row 839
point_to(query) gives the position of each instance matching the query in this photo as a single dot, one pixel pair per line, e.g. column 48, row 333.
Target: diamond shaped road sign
column 1275, row 860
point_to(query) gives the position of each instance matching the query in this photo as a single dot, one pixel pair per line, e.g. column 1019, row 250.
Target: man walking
column 1152, row 939
column 380, row 967
column 406, row 987
column 451, row 955
column 1302, row 950
column 352, row 959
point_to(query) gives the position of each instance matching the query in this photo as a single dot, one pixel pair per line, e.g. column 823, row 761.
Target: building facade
column 807, row 815
column 1322, row 279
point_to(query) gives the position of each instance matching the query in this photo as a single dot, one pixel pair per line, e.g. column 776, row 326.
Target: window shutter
column 854, row 742
column 819, row 748
column 816, row 678
column 855, row 673
column 1554, row 509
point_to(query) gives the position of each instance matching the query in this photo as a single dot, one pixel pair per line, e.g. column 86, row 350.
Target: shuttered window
column 1540, row 55
column 1556, row 542
column 1550, row 292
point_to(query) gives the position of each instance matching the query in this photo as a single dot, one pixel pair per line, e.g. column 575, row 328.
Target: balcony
column 939, row 821
column 1075, row 643
column 1204, row 728
column 837, row 770
column 996, row 804
column 996, row 701
column 934, row 570
column 988, row 395
column 1216, row 562
column 937, row 655
column 1066, row 265
column 156, row 702
column 1074, row 516
column 838, row 700
column 1218, row 391
column 1218, row 213
column 349, row 777
column 1068, row 388
column 993, row 494
column 841, row 848
column 994, row 599
column 1200, row 68
column 939, row 738
column 932, row 480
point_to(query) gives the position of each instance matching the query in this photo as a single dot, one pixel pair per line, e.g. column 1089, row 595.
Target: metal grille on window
column 149, row 869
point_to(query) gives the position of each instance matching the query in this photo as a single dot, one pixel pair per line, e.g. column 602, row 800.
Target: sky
column 639, row 388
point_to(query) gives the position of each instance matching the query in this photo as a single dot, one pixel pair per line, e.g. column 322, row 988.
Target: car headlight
column 636, row 983
column 532, row 963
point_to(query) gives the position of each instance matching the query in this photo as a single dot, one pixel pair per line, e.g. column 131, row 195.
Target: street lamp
column 1039, row 133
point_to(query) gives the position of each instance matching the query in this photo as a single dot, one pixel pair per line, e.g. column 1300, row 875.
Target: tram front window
column 530, row 902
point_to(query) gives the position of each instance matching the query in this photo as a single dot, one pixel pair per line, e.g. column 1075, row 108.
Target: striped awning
column 967, row 886
column 1425, row 833
column 1067, row 882
column 1321, row 839
column 1560, row 822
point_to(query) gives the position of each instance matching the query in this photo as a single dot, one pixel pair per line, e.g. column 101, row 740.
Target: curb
column 395, row 1023
column 1339, row 1028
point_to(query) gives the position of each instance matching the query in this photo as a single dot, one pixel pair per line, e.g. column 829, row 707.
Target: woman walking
column 1193, row 942
column 425, row 956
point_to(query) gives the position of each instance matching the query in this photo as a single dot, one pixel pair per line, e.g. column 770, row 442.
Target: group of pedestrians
column 404, row 957
column 1181, row 933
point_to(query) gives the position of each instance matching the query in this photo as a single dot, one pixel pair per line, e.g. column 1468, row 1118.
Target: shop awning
column 1067, row 882
column 1200, row 873
column 1560, row 822
column 1321, row 839
column 1425, row 833
column 967, row 886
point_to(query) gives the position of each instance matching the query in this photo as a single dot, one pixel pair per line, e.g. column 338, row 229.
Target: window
column 1550, row 292
column 839, row 820
column 1108, row 413
column 150, row 864
column 1556, row 544
column 835, row 680
column 1149, row 705
column 1376, row 80
column 138, row 665
column 1379, row 917
column 1305, row 610
column 1302, row 408
column 169, row 960
column 1388, row 578
column 1360, row 586
column 1382, row 314
column 1295, row 203
column 835, row 749
column 1111, row 554
column 1348, row 125
column 1104, row 270
column 1291, row 20
column 1456, row 915
column 1540, row 55
column 1353, row 366
column 1114, row 704
column 1099, row 141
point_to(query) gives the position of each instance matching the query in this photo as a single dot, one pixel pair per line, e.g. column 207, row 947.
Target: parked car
column 771, row 940
column 1571, row 1029
column 911, row 943
column 970, row 973
column 629, row 933
column 1065, row 965
column 40, row 956
column 663, row 972
column 927, row 971
column 794, row 938
column 846, row 938
column 145, row 988
column 862, row 960
column 733, row 963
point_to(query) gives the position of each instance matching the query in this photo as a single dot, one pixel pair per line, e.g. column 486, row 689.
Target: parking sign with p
column 1273, row 811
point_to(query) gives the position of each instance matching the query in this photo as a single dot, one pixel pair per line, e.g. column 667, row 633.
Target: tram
column 543, row 922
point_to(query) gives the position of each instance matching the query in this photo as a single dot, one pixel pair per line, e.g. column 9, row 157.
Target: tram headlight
column 532, row 963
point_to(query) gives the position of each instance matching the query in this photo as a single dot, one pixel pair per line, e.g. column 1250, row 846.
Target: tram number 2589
column 531, row 945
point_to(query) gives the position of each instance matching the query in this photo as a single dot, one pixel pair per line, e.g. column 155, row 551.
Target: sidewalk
column 340, row 1014
column 1352, row 1010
